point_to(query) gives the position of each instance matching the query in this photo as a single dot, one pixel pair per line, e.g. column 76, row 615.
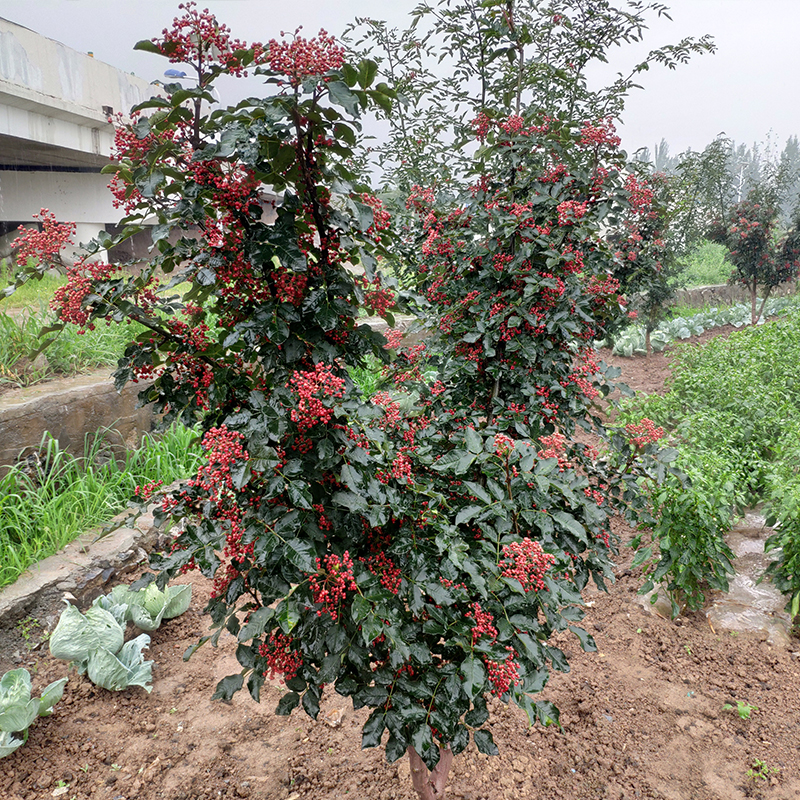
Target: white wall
column 81, row 197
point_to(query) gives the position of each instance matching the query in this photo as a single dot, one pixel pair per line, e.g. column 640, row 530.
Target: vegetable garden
column 426, row 551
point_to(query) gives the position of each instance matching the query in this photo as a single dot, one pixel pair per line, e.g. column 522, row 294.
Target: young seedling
column 744, row 710
column 760, row 771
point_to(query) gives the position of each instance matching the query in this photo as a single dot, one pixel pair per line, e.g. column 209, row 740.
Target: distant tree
column 790, row 164
column 758, row 257
column 648, row 252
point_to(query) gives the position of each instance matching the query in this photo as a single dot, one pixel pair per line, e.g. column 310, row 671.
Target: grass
column 369, row 377
column 31, row 294
column 706, row 266
column 41, row 513
column 70, row 352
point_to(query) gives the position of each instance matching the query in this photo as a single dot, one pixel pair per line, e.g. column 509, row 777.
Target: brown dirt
column 642, row 718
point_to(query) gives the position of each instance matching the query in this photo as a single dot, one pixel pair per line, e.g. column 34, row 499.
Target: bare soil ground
column 642, row 718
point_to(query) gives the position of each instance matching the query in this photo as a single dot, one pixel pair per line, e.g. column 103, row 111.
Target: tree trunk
column 753, row 298
column 430, row 784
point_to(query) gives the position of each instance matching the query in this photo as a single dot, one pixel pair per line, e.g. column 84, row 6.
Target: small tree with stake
column 417, row 562
column 759, row 259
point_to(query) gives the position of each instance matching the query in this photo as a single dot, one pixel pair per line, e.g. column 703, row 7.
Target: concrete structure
column 55, row 136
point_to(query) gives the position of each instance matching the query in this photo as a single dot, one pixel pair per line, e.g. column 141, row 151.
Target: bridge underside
column 25, row 154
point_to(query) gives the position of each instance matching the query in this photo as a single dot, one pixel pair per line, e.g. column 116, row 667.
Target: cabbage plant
column 95, row 641
column 18, row 709
column 77, row 635
column 148, row 607
column 123, row 669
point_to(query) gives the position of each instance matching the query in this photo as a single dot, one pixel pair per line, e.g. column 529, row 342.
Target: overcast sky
column 747, row 89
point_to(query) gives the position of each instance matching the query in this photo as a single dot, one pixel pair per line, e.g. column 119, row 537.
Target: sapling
column 414, row 552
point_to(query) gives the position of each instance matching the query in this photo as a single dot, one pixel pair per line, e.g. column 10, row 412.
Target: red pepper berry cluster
column 68, row 300
column 394, row 338
column 313, row 387
column 484, row 623
column 570, row 211
column 282, row 657
column 376, row 300
column 481, row 126
column 527, row 562
column 322, row 521
column 503, row 675
column 513, row 124
column 641, row 193
column 290, row 287
column 644, row 433
column 603, row 289
column 147, row 491
column 503, row 445
column 420, row 198
column 305, row 58
column 601, row 133
column 224, row 449
column 329, row 586
column 44, row 244
column 381, row 218
column 198, row 39
column 388, row 571
column 555, row 173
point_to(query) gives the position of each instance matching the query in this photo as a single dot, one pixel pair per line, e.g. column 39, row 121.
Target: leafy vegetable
column 149, row 606
column 77, row 635
column 18, row 710
column 126, row 668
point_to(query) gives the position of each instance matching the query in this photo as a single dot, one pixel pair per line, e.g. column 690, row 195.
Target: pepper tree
column 414, row 551
column 759, row 257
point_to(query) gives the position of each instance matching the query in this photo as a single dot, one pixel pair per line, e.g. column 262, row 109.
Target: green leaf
column 256, row 624
column 367, row 70
column 299, row 494
column 473, row 440
column 8, row 744
column 287, row 704
column 474, row 676
column 287, row 614
column 311, row 703
column 468, row 513
column 228, row 687
column 478, row 491
column 147, row 46
column 642, row 555
column 341, row 95
column 478, row 715
column 373, row 729
column 77, row 635
column 127, row 668
column 18, row 717
column 586, row 640
column 571, row 524
column 484, row 742
column 360, row 608
column 301, row 554
column 50, row 696
column 395, row 748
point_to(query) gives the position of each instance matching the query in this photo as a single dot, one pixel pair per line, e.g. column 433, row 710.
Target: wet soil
column 644, row 717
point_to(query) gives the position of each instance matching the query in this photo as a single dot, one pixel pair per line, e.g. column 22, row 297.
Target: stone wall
column 725, row 295
column 71, row 410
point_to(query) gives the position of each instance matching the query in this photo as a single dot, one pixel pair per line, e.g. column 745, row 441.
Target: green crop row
column 733, row 411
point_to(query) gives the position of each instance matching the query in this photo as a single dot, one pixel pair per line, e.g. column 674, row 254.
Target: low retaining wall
column 725, row 295
column 71, row 409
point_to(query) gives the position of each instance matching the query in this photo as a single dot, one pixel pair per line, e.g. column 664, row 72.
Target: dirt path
column 642, row 718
